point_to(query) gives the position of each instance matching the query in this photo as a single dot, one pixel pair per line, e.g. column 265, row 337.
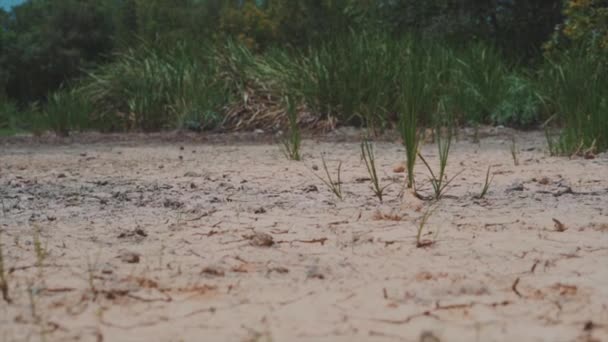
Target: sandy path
column 141, row 244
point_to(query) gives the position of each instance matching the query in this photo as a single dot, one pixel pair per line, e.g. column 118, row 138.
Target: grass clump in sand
column 293, row 139
column 486, row 185
column 420, row 242
column 440, row 181
column 367, row 154
column 335, row 186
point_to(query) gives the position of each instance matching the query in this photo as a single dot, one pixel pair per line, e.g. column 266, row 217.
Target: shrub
column 521, row 103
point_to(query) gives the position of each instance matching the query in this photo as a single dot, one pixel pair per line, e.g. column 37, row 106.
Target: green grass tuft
column 334, row 185
column 293, row 139
column 368, row 156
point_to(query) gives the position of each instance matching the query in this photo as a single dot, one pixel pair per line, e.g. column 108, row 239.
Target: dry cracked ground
column 190, row 241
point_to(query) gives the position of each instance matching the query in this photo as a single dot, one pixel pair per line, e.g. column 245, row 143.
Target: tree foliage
column 586, row 25
column 45, row 43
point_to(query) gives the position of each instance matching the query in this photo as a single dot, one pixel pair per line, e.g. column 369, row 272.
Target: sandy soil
column 175, row 241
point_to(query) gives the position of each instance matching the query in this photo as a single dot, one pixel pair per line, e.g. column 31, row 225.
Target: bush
column 520, row 105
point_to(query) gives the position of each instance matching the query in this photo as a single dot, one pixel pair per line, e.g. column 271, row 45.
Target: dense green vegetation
column 121, row 65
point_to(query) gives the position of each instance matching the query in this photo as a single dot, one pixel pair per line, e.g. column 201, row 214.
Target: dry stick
column 291, row 242
column 439, row 307
column 205, row 214
column 514, row 288
column 3, row 280
column 559, row 226
column 536, row 262
column 514, row 152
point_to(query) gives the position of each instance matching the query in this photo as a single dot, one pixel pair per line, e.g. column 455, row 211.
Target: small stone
column 315, row 167
column 260, row 210
column 428, row 336
column 140, row 232
column 399, row 168
column 215, row 271
column 311, row 188
column 173, row 204
column 313, row 272
column 516, row 187
column 129, row 257
column 261, row 240
column 279, row 269
column 543, row 181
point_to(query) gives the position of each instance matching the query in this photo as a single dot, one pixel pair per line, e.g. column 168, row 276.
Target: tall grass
column 151, row 89
column 67, row 111
column 575, row 88
column 351, row 78
column 417, row 99
column 478, row 85
column 365, row 79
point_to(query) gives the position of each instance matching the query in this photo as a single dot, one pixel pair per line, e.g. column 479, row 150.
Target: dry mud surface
column 191, row 241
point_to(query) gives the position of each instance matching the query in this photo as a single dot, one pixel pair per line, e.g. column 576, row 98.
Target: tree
column 518, row 26
column 49, row 42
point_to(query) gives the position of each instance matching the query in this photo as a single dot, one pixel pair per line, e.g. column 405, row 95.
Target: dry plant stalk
column 514, row 151
column 3, row 278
